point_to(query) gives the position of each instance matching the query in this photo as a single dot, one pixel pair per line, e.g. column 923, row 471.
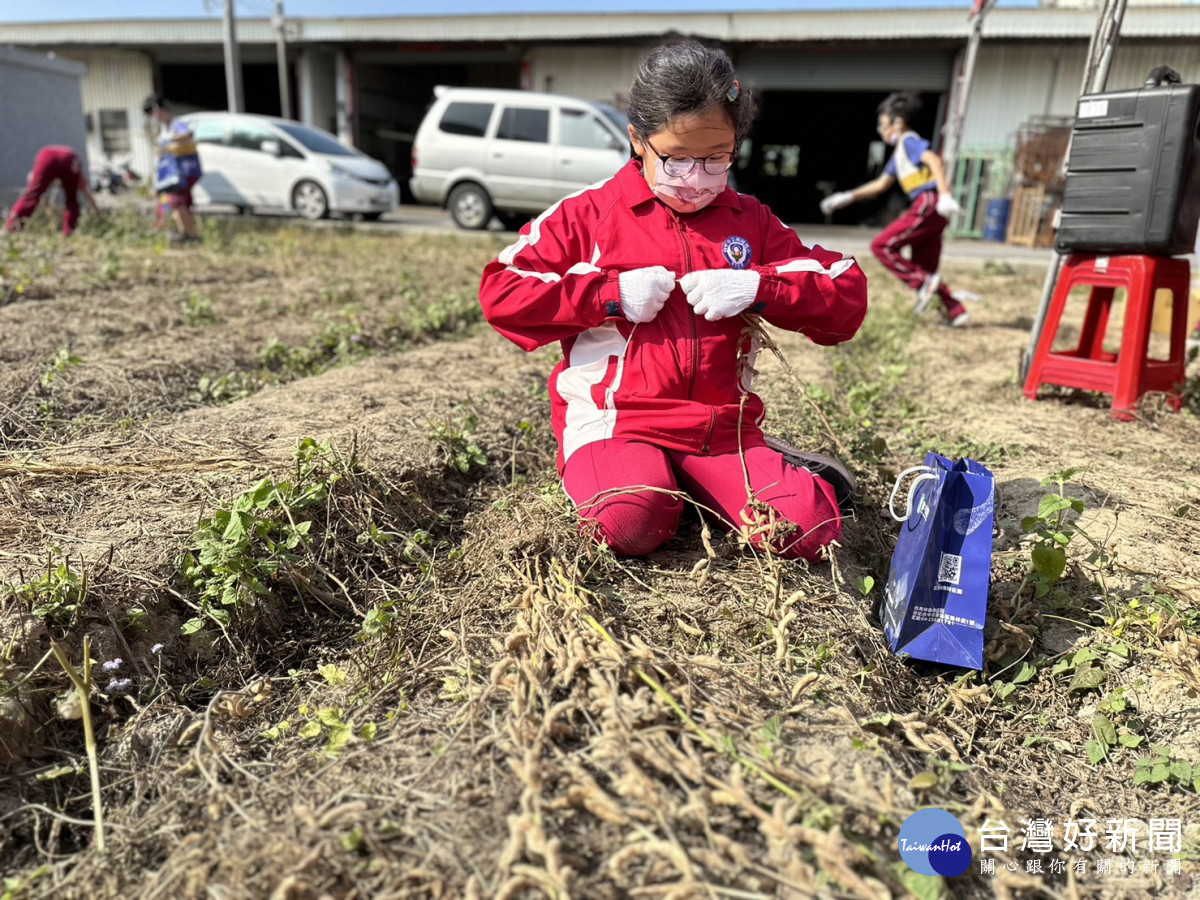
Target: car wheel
column 513, row 221
column 309, row 200
column 470, row 207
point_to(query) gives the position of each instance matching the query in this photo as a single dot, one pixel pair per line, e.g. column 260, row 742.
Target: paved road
column 845, row 238
column 857, row 240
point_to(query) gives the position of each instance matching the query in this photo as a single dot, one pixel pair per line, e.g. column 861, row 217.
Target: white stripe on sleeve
column 811, row 265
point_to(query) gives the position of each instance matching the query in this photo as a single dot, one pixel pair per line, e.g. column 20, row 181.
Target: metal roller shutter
column 881, row 70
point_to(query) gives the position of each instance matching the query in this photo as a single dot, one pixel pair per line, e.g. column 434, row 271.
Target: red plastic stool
column 1129, row 374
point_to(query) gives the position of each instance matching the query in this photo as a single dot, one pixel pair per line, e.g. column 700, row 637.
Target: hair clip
column 734, row 90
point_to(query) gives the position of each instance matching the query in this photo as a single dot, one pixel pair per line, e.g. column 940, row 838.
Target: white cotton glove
column 644, row 291
column 947, row 206
column 720, row 293
column 836, row 201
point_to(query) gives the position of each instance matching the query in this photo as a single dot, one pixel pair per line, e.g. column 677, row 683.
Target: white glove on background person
column 720, row 293
column 837, row 201
column 947, row 206
column 644, row 291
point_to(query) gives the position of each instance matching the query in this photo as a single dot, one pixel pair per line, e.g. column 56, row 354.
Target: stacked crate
column 1038, row 180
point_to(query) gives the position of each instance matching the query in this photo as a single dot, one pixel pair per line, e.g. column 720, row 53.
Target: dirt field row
column 307, row 499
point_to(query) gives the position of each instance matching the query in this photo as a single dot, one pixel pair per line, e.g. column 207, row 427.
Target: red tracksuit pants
column 920, row 229
column 50, row 165
column 632, row 492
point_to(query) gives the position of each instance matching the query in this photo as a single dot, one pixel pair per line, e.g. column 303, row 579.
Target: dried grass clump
column 452, row 692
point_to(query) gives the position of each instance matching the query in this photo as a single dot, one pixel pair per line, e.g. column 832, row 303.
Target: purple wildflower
column 156, row 649
column 112, row 665
column 119, row 686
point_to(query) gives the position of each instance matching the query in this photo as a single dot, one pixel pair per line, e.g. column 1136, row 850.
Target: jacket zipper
column 695, row 345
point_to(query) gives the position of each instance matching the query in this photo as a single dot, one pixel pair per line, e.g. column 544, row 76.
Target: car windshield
column 316, row 141
column 615, row 116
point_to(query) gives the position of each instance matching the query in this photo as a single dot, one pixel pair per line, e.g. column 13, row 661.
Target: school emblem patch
column 737, row 252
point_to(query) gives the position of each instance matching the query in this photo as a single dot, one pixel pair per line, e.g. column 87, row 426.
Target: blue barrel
column 995, row 223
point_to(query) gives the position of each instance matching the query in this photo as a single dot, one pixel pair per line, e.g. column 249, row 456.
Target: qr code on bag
column 949, row 568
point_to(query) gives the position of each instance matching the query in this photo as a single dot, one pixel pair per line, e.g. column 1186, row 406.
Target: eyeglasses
column 678, row 166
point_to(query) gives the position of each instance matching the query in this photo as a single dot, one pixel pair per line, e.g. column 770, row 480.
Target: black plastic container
column 1133, row 175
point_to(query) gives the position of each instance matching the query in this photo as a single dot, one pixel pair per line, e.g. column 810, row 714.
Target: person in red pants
column 923, row 177
column 53, row 164
column 657, row 283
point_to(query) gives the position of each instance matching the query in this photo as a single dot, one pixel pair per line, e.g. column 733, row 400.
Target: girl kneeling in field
column 654, row 282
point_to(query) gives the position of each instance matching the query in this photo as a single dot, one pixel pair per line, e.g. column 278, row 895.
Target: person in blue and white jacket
column 175, row 139
column 923, row 177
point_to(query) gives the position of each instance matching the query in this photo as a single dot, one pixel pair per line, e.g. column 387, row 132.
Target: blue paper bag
column 168, row 178
column 176, row 172
column 935, row 601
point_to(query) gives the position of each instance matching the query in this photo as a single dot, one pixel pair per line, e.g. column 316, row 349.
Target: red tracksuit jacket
column 674, row 381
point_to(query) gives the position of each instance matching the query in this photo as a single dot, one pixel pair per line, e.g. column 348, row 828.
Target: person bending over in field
column 655, row 282
column 53, row 164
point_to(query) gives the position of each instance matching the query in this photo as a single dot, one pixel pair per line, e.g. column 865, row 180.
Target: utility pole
column 952, row 144
column 233, row 62
column 285, row 98
column 1095, row 79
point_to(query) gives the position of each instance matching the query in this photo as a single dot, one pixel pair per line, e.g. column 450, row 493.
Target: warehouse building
column 818, row 74
column 42, row 93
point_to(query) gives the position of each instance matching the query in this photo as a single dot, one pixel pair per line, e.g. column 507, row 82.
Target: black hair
column 900, row 105
column 153, row 102
column 687, row 79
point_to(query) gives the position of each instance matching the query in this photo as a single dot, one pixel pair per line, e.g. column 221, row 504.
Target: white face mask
column 690, row 192
column 890, row 133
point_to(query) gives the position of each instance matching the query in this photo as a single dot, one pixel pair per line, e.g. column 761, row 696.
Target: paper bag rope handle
column 927, row 472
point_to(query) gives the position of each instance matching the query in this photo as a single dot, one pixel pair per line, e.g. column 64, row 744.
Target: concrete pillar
column 317, row 101
column 344, row 93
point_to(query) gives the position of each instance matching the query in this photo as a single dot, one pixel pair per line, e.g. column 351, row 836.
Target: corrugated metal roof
column 1014, row 82
column 132, row 32
column 1141, row 21
column 850, row 26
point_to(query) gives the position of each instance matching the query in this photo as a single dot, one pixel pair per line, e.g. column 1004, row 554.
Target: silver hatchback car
column 261, row 162
column 484, row 151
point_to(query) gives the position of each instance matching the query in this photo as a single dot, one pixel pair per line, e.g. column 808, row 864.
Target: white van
column 481, row 151
column 261, row 162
